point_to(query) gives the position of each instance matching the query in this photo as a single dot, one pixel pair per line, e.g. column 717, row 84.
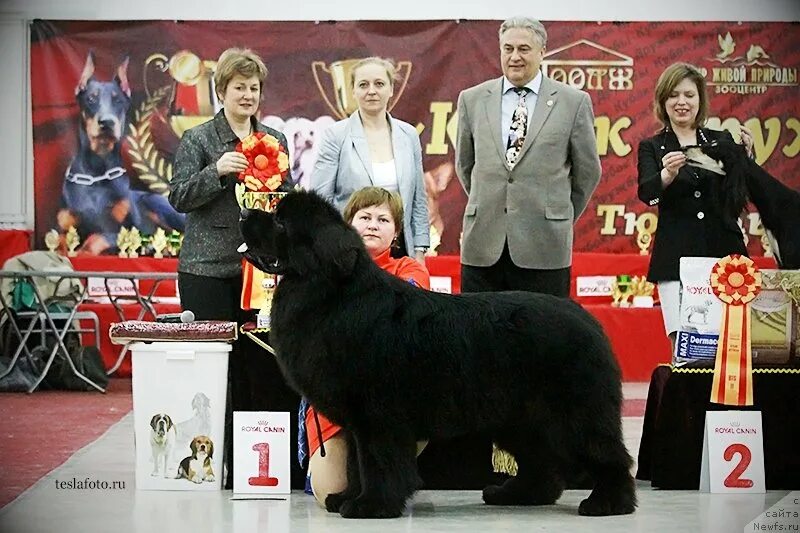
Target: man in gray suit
column 526, row 155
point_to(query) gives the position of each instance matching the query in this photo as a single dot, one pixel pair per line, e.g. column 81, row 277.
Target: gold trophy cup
column 265, row 201
column 338, row 77
column 193, row 99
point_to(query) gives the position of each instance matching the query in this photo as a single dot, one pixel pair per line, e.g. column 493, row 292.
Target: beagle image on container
column 162, row 440
column 197, row 467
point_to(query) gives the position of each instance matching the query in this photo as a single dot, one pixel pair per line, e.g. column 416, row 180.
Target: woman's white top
column 385, row 175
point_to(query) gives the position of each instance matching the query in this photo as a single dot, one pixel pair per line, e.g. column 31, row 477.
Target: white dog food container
column 179, row 393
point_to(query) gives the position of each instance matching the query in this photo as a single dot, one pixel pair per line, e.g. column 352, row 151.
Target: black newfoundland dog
column 394, row 364
column 778, row 205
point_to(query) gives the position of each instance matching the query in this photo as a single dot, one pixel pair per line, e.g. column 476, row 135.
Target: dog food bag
column 774, row 318
column 701, row 314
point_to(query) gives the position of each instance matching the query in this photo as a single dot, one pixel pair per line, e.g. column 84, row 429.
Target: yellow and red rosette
column 736, row 281
column 268, row 162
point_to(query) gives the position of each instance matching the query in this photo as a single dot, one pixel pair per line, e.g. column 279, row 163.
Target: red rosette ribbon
column 736, row 281
column 267, row 162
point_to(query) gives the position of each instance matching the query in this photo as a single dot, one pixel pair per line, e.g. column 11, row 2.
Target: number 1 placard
column 261, row 452
column 733, row 452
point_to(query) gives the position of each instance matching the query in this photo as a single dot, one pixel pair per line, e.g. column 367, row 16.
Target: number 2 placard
column 733, row 452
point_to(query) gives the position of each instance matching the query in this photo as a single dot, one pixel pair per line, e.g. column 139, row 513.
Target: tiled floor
column 45, row 508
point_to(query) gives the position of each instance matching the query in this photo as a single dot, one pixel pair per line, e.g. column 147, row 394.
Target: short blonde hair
column 370, row 196
column 387, row 64
column 669, row 79
column 241, row 61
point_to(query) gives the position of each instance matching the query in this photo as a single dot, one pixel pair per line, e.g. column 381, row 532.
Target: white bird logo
column 726, row 45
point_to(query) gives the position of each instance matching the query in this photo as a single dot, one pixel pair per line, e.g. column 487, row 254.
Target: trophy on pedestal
column 72, row 241
column 175, row 240
column 159, row 242
column 134, row 242
column 642, row 292
column 620, row 291
column 52, row 240
column 123, row 241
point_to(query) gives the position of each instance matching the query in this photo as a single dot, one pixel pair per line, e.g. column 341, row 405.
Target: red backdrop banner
column 751, row 69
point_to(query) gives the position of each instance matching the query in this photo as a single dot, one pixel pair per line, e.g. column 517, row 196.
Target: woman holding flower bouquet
column 373, row 148
column 377, row 215
column 206, row 167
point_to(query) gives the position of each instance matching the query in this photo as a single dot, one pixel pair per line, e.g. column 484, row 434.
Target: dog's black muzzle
column 263, row 261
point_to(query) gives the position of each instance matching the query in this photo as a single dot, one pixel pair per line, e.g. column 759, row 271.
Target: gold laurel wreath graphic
column 153, row 169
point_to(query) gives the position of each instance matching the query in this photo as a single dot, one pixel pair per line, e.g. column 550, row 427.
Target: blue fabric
column 302, row 442
column 302, row 436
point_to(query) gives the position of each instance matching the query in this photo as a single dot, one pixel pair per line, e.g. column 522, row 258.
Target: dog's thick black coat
column 778, row 205
column 394, row 364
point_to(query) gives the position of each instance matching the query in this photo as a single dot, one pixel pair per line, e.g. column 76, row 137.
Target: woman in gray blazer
column 206, row 166
column 372, row 148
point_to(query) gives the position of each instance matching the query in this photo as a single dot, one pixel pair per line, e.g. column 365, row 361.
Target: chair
column 39, row 286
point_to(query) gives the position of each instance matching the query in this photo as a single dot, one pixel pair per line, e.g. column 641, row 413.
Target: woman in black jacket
column 698, row 209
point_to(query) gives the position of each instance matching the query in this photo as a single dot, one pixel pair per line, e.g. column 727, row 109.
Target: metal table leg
column 59, row 334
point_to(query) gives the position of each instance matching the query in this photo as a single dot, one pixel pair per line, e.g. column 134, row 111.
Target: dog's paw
column 197, row 479
column 210, row 477
column 334, row 501
column 514, row 493
column 367, row 508
column 593, row 506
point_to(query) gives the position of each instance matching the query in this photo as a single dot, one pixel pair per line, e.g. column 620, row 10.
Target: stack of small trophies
column 638, row 289
column 130, row 242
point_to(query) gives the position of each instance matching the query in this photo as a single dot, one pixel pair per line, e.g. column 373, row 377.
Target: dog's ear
column 153, row 421
column 193, row 447
column 169, row 422
column 122, row 76
column 88, row 72
column 210, row 449
column 337, row 247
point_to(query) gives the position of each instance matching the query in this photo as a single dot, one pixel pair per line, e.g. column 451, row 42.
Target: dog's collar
column 87, row 179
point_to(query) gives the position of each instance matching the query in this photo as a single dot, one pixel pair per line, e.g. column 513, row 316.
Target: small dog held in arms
column 777, row 203
column 394, row 364
column 97, row 195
